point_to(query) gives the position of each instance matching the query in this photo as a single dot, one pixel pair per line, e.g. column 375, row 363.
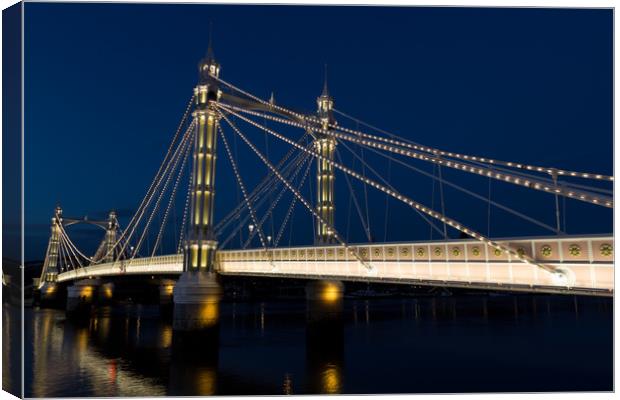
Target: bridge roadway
column 455, row 263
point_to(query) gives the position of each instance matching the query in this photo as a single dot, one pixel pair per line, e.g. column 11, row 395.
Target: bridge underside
column 462, row 263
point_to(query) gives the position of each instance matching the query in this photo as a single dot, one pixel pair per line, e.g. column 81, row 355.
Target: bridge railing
column 168, row 264
column 546, row 250
column 588, row 260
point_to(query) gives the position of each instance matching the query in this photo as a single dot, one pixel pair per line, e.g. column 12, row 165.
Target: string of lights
column 266, row 183
column 244, row 192
column 415, row 146
column 412, row 203
column 335, row 233
column 302, row 159
column 167, row 174
column 172, row 196
column 531, row 183
column 185, row 213
column 408, row 143
column 291, row 206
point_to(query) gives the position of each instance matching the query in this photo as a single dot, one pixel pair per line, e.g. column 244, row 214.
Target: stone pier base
column 166, row 290
column 197, row 298
column 49, row 294
column 81, row 296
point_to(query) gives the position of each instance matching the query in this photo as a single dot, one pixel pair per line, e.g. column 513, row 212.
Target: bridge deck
column 459, row 263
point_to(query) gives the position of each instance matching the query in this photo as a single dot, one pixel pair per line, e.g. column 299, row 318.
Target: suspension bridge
column 219, row 110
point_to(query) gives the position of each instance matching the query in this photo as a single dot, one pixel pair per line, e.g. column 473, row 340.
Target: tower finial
column 325, row 91
column 210, row 47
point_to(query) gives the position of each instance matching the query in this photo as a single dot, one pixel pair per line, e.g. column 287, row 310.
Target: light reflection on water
column 445, row 344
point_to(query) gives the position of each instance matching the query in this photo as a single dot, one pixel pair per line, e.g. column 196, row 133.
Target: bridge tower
column 201, row 244
column 51, row 259
column 324, row 297
column 111, row 236
column 325, row 145
column 197, row 293
column 48, row 288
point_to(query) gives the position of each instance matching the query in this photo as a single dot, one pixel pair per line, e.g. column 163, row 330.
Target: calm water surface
column 443, row 344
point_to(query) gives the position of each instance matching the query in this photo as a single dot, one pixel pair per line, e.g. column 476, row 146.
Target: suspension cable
column 292, row 205
column 485, row 160
column 265, row 183
column 385, row 182
column 73, row 250
column 185, row 212
column 469, row 192
column 335, row 233
column 156, row 178
column 62, row 251
column 180, row 173
column 301, row 160
column 353, row 199
column 414, row 204
column 244, row 192
column 416, row 146
column 71, row 244
column 531, row 183
column 259, row 202
column 168, row 172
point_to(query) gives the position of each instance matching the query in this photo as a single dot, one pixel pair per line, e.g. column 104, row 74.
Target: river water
column 466, row 343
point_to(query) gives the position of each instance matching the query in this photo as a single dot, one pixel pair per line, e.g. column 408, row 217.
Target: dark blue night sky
column 106, row 85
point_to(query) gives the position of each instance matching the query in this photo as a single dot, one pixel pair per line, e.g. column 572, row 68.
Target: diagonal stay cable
column 531, row 183
column 73, row 247
column 337, row 236
column 291, row 207
column 385, row 182
column 190, row 182
column 302, row 159
column 355, row 202
column 261, row 200
column 180, row 174
column 414, row 204
column 416, row 146
column 265, row 183
column 469, row 192
column 244, row 192
column 167, row 174
column 485, row 160
column 157, row 176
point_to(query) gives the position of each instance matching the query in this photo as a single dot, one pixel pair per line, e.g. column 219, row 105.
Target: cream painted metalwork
column 465, row 264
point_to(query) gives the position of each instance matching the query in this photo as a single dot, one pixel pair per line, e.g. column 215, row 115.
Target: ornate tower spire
column 201, row 243
column 208, row 66
column 325, row 104
column 325, row 91
column 325, row 145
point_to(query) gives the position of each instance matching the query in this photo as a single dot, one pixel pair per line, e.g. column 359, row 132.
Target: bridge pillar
column 325, row 145
column 111, row 237
column 49, row 288
column 81, row 296
column 197, row 302
column 198, row 292
column 49, row 294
